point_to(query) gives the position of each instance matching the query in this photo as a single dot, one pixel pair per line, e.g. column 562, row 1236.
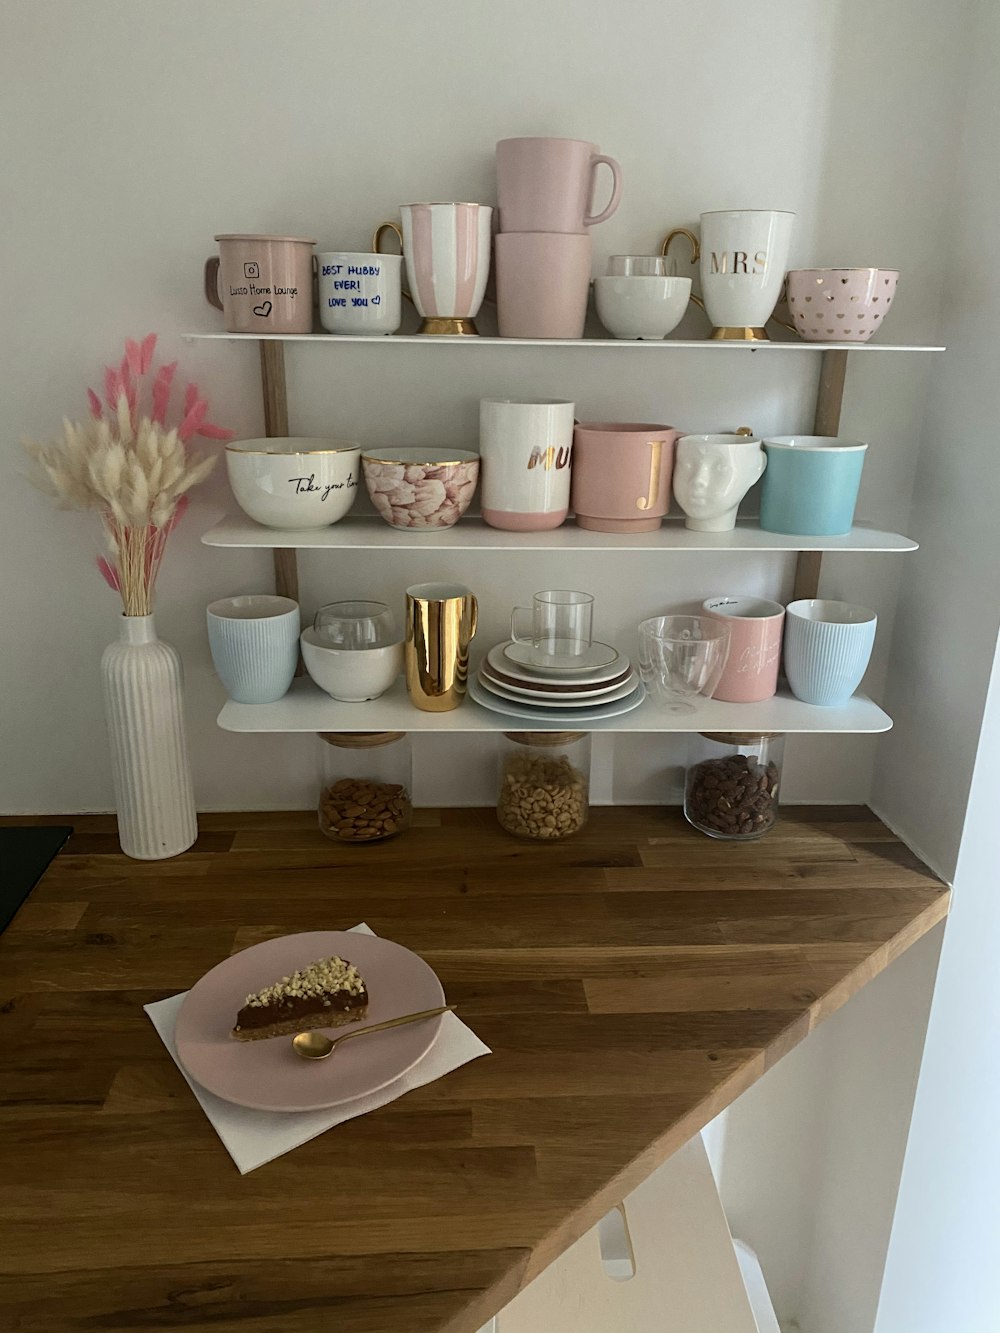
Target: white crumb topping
column 318, row 979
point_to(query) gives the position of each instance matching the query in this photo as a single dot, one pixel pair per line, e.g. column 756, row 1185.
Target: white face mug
column 744, row 257
column 712, row 473
column 359, row 293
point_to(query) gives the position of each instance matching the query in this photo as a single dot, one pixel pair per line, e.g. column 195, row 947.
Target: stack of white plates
column 561, row 690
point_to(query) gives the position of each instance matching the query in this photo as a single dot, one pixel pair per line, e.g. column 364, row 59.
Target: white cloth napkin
column 254, row 1137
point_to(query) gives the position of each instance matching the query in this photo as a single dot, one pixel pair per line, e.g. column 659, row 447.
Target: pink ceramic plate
column 268, row 1075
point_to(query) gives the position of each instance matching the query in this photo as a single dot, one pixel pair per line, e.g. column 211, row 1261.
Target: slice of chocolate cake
column 326, row 994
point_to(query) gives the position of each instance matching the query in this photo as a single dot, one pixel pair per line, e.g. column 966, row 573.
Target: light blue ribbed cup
column 255, row 645
column 827, row 649
column 811, row 484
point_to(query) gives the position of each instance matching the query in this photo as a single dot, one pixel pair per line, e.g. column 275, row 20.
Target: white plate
column 554, row 718
column 596, row 656
column 529, row 700
column 556, row 688
column 520, row 657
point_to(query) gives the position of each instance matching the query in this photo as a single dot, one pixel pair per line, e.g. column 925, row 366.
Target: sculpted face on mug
column 711, row 476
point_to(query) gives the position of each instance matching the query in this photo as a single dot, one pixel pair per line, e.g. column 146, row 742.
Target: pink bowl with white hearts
column 420, row 489
column 840, row 304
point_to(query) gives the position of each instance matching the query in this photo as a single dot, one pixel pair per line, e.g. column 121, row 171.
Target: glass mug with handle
column 743, row 255
column 561, row 624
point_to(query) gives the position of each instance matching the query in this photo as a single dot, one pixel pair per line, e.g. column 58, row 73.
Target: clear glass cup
column 355, row 625
column 641, row 266
column 681, row 658
column 561, row 623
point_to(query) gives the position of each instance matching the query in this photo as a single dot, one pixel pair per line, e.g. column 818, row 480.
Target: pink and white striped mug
column 447, row 253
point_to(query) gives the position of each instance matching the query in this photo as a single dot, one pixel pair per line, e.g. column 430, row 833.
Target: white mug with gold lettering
column 525, row 450
column 744, row 257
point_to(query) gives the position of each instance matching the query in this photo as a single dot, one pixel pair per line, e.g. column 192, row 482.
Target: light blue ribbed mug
column 811, row 484
column 255, row 645
column 827, row 649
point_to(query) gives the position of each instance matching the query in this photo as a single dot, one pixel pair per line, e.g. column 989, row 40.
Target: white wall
column 134, row 133
column 941, row 1270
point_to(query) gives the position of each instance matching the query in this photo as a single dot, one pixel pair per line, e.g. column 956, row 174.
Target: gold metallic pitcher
column 440, row 626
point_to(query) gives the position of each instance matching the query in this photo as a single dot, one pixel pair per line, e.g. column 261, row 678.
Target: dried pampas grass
column 134, row 469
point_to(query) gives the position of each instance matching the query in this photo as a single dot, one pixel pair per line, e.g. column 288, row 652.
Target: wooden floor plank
column 631, row 982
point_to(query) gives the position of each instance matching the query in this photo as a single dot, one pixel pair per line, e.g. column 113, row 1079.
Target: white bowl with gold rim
column 294, row 482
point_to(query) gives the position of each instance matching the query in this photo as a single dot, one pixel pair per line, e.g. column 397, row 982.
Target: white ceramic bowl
column 351, row 674
column 418, row 488
column 295, row 481
column 641, row 307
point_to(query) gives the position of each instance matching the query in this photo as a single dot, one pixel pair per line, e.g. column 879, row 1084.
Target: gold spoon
column 317, row 1046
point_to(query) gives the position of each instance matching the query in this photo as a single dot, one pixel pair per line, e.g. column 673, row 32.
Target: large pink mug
column 543, row 281
column 621, row 475
column 548, row 184
column 262, row 284
column 755, row 628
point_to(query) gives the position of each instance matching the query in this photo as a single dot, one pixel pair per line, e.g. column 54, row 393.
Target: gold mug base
column 449, row 326
column 741, row 334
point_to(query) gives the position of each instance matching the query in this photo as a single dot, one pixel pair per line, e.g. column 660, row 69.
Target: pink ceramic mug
column 547, row 184
column 262, row 284
column 446, row 248
column 543, row 281
column 621, row 475
column 755, row 629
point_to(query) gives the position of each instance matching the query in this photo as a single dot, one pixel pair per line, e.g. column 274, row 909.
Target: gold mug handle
column 655, row 458
column 376, row 239
column 777, row 318
column 473, row 616
column 693, row 241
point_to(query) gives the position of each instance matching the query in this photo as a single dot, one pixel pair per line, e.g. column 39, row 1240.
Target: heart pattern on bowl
column 840, row 293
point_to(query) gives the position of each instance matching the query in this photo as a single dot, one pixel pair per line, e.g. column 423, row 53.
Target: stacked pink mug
column 544, row 247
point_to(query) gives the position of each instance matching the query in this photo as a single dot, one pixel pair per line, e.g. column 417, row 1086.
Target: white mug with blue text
column 359, row 293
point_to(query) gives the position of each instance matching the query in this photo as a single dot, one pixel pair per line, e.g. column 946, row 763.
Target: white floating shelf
column 306, row 708
column 436, row 340
column 370, row 533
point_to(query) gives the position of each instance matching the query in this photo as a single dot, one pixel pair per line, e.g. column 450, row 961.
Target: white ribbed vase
column 142, row 679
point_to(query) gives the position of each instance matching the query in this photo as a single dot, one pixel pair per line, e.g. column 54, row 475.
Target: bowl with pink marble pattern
column 419, row 489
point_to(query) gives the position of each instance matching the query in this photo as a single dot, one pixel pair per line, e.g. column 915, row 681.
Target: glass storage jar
column 544, row 783
column 732, row 782
column 365, row 782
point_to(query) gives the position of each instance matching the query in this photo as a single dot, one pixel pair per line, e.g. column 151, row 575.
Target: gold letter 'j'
column 647, row 502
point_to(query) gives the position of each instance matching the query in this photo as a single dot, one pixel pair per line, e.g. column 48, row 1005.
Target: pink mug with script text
column 548, row 184
column 755, row 628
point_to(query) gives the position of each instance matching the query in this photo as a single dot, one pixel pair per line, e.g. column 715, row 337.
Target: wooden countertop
column 631, row 982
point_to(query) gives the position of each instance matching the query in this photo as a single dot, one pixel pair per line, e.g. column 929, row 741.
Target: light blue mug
column 255, row 645
column 811, row 484
column 828, row 646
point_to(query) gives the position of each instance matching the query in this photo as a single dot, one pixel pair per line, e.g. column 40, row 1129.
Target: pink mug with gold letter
column 755, row 628
column 621, row 475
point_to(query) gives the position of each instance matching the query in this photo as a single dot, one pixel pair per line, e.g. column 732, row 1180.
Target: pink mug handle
column 212, row 282
column 616, row 192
